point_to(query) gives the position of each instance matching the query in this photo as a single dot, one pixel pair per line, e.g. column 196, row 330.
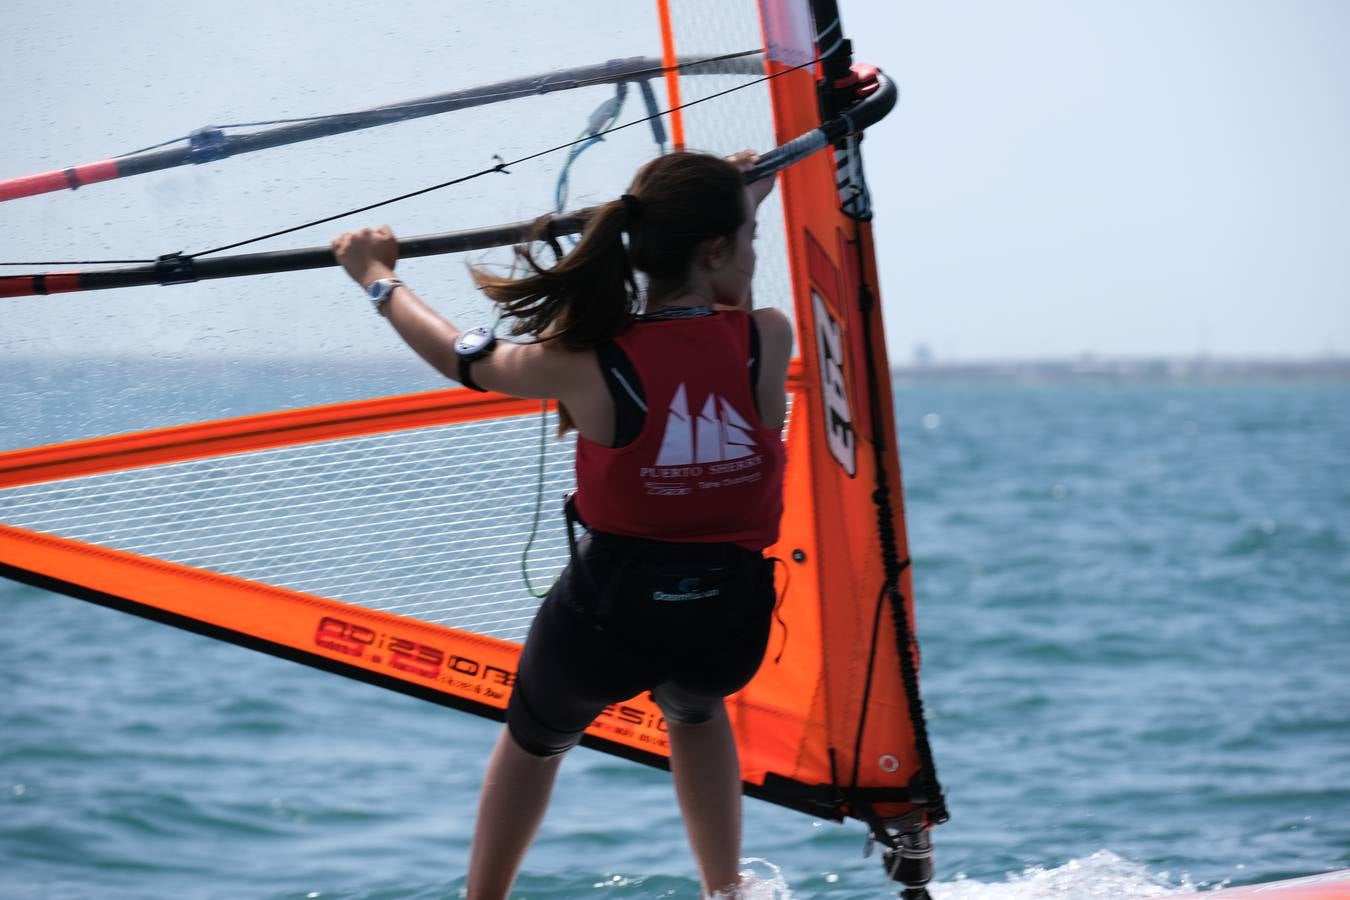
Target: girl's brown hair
column 589, row 295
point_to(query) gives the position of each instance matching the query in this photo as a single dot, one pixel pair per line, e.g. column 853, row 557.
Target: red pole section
column 58, row 180
column 36, row 285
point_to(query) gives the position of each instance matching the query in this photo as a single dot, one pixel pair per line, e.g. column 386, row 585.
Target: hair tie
column 633, row 206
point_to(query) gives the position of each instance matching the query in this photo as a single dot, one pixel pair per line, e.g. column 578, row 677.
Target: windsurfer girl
column 678, row 397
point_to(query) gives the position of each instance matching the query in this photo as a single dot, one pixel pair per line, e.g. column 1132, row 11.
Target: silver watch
column 379, row 291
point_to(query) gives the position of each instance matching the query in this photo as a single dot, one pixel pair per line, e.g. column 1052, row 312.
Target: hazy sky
column 1060, row 177
column 1150, row 176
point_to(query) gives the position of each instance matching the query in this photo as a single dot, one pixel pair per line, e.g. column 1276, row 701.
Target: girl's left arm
column 745, row 161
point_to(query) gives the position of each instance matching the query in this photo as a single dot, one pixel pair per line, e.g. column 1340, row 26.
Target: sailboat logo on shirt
column 718, row 434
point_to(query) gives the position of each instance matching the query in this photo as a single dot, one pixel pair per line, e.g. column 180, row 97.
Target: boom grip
column 781, row 157
column 879, row 100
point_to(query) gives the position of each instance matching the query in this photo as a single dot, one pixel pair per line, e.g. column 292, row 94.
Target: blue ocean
column 1133, row 602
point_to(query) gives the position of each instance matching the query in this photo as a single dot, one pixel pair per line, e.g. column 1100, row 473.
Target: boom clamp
column 174, row 268
column 206, row 145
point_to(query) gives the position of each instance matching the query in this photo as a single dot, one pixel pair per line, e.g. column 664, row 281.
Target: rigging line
column 488, row 97
column 169, row 143
column 875, row 98
column 538, row 505
column 893, row 565
column 867, row 680
column 604, row 116
column 503, row 166
column 500, row 167
column 82, row 262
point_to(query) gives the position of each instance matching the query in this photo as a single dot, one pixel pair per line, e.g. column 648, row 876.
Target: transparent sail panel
column 85, row 364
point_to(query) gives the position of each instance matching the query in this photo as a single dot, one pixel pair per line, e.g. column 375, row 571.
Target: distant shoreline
column 1151, row 370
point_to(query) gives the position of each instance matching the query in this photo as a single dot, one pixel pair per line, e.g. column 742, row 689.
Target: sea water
column 1134, row 608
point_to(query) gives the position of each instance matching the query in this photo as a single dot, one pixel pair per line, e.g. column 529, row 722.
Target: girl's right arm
column 775, row 348
column 534, row 370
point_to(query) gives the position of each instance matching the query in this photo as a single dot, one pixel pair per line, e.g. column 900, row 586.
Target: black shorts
column 688, row 622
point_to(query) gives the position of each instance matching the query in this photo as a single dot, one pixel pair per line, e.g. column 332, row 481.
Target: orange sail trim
column 782, row 757
column 453, row 667
column 469, row 667
column 865, row 744
column 671, row 62
column 259, row 432
column 447, row 665
column 265, row 431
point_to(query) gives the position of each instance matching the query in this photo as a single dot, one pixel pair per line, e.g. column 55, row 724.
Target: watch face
column 472, row 341
column 378, row 289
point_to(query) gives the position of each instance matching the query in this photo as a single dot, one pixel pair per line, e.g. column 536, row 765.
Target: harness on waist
column 648, row 575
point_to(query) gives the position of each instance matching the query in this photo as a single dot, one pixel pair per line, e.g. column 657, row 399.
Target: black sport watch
column 472, row 345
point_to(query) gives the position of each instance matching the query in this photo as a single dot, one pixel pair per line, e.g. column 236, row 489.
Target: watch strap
column 466, row 377
column 471, row 346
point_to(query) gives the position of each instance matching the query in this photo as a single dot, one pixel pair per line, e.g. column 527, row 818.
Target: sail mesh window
column 429, row 523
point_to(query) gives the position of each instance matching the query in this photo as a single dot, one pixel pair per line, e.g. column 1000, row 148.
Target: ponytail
column 584, row 299
column 588, row 296
column 675, row 203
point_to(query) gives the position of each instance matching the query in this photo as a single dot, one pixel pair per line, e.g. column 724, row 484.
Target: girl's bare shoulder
column 538, row 369
column 775, row 328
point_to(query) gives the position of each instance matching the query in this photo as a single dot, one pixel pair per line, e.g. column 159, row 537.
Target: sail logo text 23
column 839, row 418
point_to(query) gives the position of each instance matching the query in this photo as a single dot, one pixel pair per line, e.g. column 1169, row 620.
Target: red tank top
column 704, row 468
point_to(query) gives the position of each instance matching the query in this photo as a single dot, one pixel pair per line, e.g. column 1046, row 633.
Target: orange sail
column 379, row 539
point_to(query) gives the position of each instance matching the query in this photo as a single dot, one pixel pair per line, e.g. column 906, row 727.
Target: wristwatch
column 379, row 291
column 471, row 345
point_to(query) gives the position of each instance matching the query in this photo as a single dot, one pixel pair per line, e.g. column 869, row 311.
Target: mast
column 903, row 832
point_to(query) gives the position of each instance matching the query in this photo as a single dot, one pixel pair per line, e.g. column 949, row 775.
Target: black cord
column 893, row 566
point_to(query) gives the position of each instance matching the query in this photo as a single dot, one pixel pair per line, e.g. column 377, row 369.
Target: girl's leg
column 516, row 791
column 708, row 783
